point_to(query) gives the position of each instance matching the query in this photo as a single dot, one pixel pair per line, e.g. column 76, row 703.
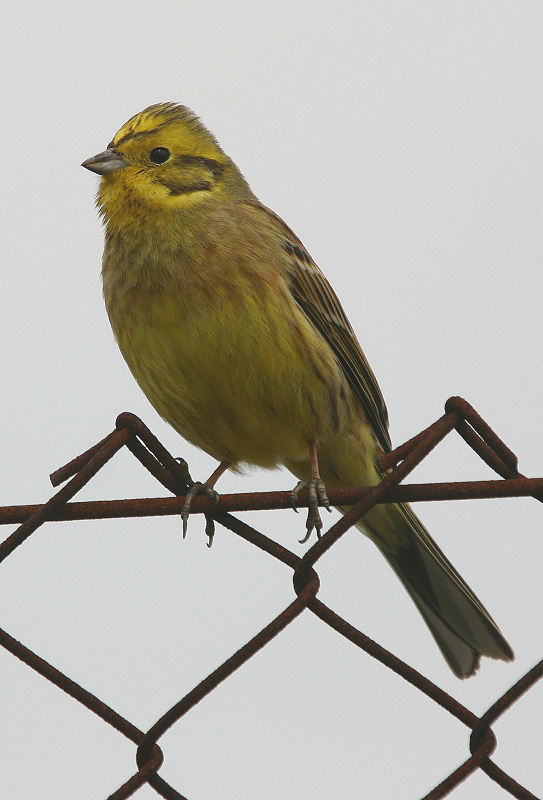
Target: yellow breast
column 231, row 363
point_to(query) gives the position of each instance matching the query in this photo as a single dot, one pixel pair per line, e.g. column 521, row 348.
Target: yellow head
column 162, row 159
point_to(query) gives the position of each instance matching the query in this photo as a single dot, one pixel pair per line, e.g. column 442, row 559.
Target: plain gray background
column 402, row 142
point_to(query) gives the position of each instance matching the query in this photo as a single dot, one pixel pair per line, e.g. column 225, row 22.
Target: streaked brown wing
column 321, row 305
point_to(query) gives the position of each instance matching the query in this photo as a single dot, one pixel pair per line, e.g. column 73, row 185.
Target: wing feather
column 321, row 305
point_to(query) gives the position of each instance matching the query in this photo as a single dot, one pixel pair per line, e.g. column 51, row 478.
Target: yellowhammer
column 239, row 342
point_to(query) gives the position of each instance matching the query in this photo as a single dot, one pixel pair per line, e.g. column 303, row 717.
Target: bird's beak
column 104, row 163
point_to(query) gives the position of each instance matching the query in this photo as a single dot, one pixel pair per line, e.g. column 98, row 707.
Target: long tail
column 461, row 626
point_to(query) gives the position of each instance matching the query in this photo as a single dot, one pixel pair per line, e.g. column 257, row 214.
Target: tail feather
column 461, row 626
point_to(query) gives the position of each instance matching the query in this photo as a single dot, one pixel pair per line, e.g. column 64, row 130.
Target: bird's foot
column 199, row 488
column 317, row 496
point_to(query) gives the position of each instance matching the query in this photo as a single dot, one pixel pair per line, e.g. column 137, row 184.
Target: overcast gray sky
column 402, row 142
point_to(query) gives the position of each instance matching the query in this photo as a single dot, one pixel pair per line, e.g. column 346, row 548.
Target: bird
column 240, row 343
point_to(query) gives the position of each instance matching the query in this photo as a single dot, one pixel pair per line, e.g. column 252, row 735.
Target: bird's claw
column 184, row 470
column 199, row 488
column 210, row 529
column 317, row 496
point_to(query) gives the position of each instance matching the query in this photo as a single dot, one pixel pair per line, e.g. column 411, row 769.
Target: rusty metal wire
column 130, row 432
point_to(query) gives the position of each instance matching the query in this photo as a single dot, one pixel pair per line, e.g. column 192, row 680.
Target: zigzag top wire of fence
column 130, row 432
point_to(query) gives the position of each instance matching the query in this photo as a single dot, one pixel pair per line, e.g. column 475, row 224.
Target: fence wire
column 130, row 432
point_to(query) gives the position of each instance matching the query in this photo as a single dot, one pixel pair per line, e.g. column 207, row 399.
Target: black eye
column 159, row 155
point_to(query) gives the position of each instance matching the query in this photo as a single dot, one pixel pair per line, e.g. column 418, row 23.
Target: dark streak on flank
column 315, row 366
column 334, row 406
column 312, row 362
column 309, row 400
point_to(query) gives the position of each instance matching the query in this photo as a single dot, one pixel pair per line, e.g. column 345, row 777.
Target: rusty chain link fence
column 131, row 433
